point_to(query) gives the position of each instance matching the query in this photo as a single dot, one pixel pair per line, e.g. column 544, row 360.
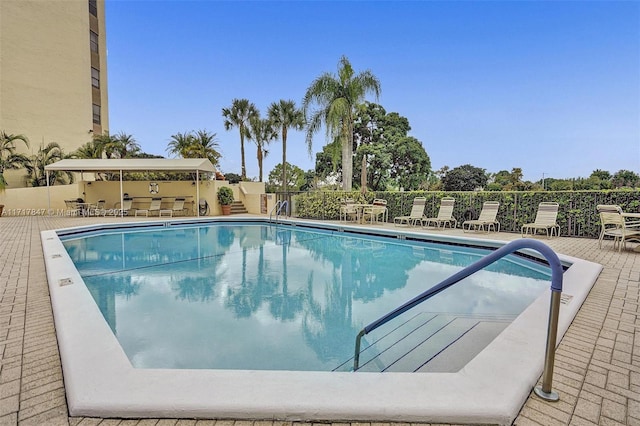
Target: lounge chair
column 127, row 207
column 487, row 218
column 416, row 215
column 445, row 215
column 614, row 225
column 154, row 208
column 177, row 209
column 348, row 210
column 545, row 219
column 376, row 211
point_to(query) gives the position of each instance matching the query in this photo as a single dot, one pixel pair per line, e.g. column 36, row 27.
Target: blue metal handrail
column 556, row 290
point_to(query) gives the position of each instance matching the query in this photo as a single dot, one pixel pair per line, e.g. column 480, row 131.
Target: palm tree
column 179, row 144
column 204, row 145
column 337, row 97
column 199, row 144
column 262, row 132
column 121, row 145
column 92, row 149
column 9, row 158
column 47, row 155
column 284, row 115
column 238, row 116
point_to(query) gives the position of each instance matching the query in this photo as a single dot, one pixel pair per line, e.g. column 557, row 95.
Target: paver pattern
column 597, row 370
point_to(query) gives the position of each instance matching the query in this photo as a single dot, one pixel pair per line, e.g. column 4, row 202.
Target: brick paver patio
column 597, row 370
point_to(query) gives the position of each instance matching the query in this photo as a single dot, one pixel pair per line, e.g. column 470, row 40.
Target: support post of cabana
column 198, row 193
column 46, row 172
column 121, row 196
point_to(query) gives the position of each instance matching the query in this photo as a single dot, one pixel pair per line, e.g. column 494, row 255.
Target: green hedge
column 577, row 215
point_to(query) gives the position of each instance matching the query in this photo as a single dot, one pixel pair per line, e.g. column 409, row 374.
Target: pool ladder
column 281, row 204
column 545, row 392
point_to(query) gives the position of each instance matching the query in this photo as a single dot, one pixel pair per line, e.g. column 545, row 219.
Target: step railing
column 544, row 391
column 281, row 204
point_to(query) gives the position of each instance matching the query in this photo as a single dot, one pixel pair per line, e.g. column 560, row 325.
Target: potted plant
column 225, row 198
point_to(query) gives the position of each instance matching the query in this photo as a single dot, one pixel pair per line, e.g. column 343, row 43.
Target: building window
column 95, row 77
column 93, row 7
column 96, row 114
column 93, row 37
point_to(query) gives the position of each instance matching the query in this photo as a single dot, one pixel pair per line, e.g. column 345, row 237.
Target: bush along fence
column 577, row 214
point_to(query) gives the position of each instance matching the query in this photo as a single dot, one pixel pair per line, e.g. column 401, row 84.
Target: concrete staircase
column 237, row 207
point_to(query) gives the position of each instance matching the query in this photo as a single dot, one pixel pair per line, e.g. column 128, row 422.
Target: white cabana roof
column 129, row 164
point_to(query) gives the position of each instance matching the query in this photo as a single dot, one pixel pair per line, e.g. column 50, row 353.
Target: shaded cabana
column 186, row 165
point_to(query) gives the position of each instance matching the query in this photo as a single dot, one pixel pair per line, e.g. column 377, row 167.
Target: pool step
column 430, row 342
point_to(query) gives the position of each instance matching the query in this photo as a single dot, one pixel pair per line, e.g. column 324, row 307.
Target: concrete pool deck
column 597, row 368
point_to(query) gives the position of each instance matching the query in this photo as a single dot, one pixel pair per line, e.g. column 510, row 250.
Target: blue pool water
column 228, row 296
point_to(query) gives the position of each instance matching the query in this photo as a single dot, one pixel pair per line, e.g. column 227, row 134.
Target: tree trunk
column 260, row 162
column 244, row 170
column 347, row 158
column 363, row 174
column 284, row 159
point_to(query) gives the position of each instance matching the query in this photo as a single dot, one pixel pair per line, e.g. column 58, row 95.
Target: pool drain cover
column 64, row 281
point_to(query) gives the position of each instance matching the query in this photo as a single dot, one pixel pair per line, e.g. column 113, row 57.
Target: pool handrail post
column 278, row 208
column 552, row 329
column 544, row 391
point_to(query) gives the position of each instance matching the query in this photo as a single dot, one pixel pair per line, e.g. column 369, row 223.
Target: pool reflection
column 263, row 297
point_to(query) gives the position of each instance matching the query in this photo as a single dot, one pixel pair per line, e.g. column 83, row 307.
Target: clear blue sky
column 551, row 87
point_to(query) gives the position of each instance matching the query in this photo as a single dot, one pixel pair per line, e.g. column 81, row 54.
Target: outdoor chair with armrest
column 445, row 215
column 177, row 209
column 72, row 207
column 376, row 211
column 127, row 207
column 348, row 210
column 98, row 209
column 613, row 224
column 487, row 218
column 153, row 208
column 416, row 214
column 545, row 219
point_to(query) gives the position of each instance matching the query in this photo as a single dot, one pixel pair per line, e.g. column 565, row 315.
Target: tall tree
column 336, row 97
column 410, row 164
column 601, row 174
column 295, row 178
column 9, row 158
column 389, row 158
column 238, row 115
column 262, row 132
column 284, row 115
column 464, row 178
column 367, row 131
column 625, row 178
column 328, row 161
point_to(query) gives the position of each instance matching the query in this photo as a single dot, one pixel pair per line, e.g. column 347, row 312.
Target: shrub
column 225, row 196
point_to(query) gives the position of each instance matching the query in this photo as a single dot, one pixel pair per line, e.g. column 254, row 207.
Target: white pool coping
column 491, row 388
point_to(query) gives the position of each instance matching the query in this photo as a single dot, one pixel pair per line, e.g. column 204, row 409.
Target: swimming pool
column 271, row 297
column 101, row 381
